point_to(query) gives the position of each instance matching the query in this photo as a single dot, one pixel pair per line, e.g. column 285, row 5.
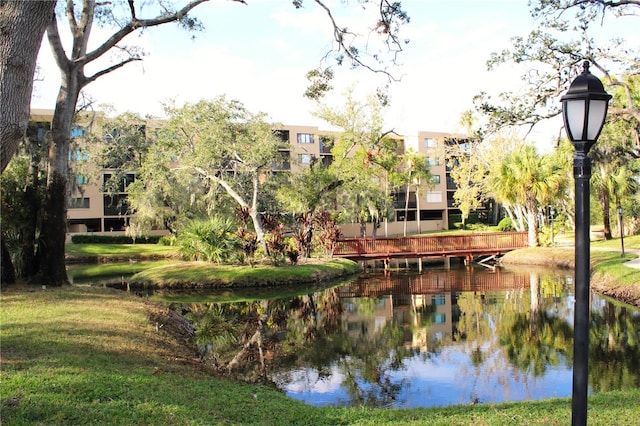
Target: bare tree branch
column 109, row 69
column 136, row 23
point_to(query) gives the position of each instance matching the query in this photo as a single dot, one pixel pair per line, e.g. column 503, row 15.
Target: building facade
column 92, row 210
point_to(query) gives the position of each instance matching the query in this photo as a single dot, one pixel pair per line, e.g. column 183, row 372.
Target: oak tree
column 125, row 18
column 22, row 26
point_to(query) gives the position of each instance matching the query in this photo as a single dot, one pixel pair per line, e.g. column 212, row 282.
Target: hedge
column 113, row 239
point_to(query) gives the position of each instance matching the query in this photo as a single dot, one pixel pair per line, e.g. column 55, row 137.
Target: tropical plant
column 212, row 240
column 524, row 182
column 415, row 173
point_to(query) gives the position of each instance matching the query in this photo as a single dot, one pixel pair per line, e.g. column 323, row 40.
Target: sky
column 259, row 54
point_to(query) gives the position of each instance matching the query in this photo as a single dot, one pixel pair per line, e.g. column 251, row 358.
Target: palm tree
column 525, row 181
column 623, row 183
column 417, row 173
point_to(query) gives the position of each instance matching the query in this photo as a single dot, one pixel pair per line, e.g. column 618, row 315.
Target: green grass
column 602, row 261
column 116, row 250
column 88, row 272
column 630, row 242
column 208, row 275
column 612, row 265
column 83, row 355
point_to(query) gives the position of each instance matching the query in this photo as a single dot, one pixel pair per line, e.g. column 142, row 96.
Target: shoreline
column 601, row 282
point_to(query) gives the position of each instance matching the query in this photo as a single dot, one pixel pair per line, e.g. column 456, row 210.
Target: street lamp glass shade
column 597, row 113
column 574, row 118
column 584, row 107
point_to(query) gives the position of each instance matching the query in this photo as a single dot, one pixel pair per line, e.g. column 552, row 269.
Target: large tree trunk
column 22, row 25
column 495, row 213
column 30, row 264
column 32, row 208
column 7, row 271
column 54, row 220
column 256, row 219
column 306, row 233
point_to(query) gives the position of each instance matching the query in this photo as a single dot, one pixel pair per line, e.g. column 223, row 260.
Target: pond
column 436, row 338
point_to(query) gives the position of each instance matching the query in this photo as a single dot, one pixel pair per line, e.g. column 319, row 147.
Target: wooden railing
column 435, row 282
column 430, row 246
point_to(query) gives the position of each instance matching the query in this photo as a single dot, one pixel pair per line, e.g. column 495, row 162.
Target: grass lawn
column 208, row 275
column 95, row 271
column 119, row 250
column 87, row 355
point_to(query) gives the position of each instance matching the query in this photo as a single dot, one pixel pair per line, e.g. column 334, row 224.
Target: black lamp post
column 584, row 108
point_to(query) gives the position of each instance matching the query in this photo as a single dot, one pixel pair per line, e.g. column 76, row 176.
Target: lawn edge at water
column 205, row 275
column 123, row 365
column 609, row 274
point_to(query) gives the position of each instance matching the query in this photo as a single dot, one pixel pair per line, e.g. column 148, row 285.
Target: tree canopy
column 85, row 53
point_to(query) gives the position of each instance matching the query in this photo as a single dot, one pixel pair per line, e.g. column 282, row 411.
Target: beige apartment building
column 93, row 211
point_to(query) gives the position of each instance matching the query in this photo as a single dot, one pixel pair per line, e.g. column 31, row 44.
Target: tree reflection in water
column 406, row 340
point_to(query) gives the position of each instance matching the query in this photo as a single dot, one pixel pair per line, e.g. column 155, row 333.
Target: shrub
column 212, row 240
column 248, row 244
column 167, row 240
column 506, row 225
column 291, row 250
column 478, row 227
column 276, row 246
column 455, row 221
column 113, row 239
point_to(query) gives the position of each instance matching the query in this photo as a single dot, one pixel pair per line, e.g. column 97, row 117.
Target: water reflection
column 431, row 339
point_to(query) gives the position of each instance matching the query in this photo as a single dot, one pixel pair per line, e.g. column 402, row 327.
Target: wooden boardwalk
column 467, row 246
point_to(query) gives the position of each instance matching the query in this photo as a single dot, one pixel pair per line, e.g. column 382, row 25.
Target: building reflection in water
column 429, row 299
column 438, row 338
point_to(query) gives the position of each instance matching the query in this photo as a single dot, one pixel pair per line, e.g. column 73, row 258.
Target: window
column 438, row 299
column 433, row 161
column 451, row 183
column 430, row 214
column 429, row 143
column 305, row 138
column 77, row 132
column 81, row 180
column 304, row 158
column 78, row 155
column 79, row 203
column 326, row 144
column 115, row 205
column 435, row 179
column 282, row 135
column 411, row 216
